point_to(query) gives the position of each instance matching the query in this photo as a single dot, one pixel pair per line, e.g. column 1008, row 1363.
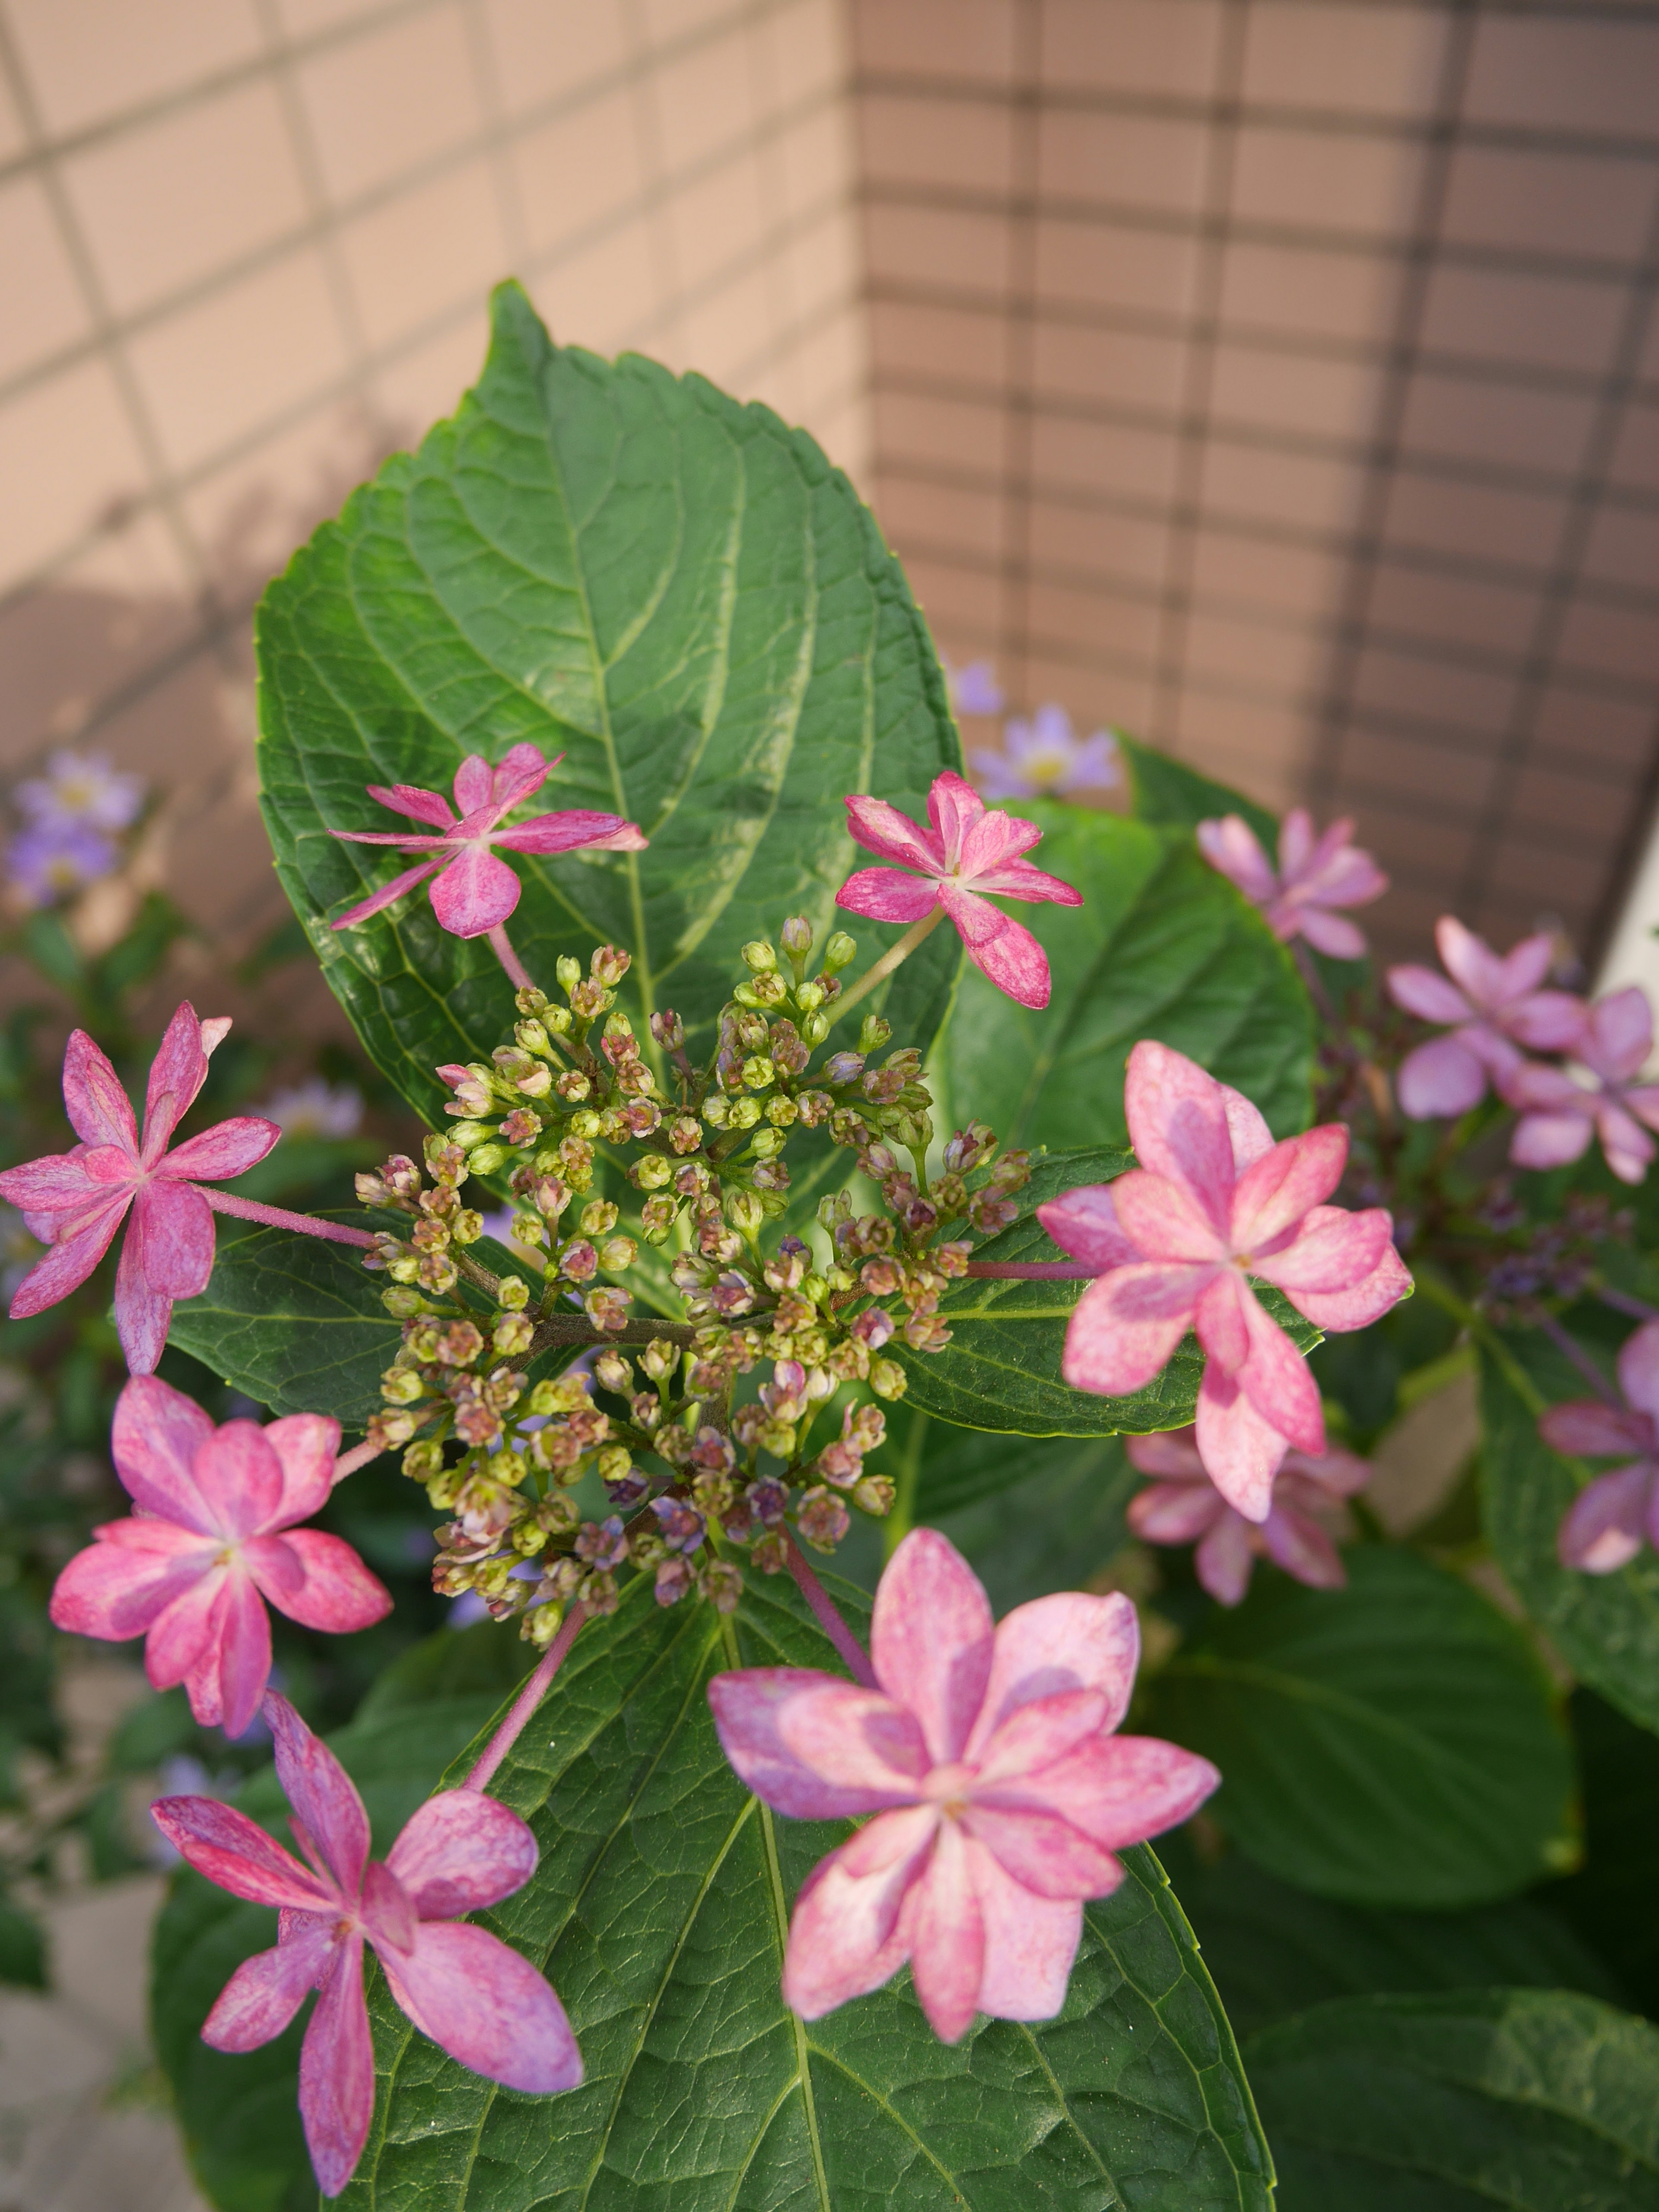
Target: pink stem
column 517, row 974
column 359, row 1456
column 1033, row 1270
column 830, row 1619
column 278, row 1216
column 526, row 1702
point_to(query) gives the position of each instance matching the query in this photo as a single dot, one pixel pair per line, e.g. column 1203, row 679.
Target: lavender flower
column 1045, row 758
column 50, row 860
column 315, row 1109
column 974, row 690
column 81, row 791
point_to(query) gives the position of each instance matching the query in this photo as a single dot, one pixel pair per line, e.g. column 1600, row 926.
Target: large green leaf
column 678, row 592
column 1161, row 947
column 659, row 1911
column 1167, row 791
column 1605, row 1626
column 1610, row 1900
column 1534, row 2100
column 1394, row 1743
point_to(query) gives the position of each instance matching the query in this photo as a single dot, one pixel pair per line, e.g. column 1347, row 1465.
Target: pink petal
column 405, row 840
column 474, row 784
column 855, row 1739
column 1550, row 1140
column 945, row 1931
column 1420, row 991
column 461, row 1852
column 1241, row 1451
column 61, row 1183
column 1018, row 879
column 388, row 1916
column 956, row 810
column 240, row 1479
column 1126, row 1326
column 1329, row 934
column 844, row 1936
column 1178, row 1125
column 1584, row 1428
column 335, row 1591
column 931, row 1639
column 266, row 1991
column 1626, row 1145
column 1221, row 1322
column 1639, row 1369
column 306, row 1446
column 562, row 833
column 1366, row 1302
column 427, row 806
column 336, row 2072
column 1083, row 1222
column 1546, row 1021
column 156, row 1434
column 68, row 1264
column 117, row 1587
column 1276, row 1381
column 227, row 1149
column 176, row 1074
column 1072, row 1640
column 237, row 1855
column 1231, row 847
column 1029, row 1943
column 1606, row 1525
column 1297, row 843
column 475, row 893
column 386, row 896
column 184, row 1637
column 1175, row 1512
column 1619, row 1034
column 172, row 1228
column 1471, row 962
column 1122, row 1790
column 1043, row 1852
column 882, row 830
column 233, row 1669
column 1164, row 1221
column 747, row 1704
column 885, row 895
column 520, row 774
column 97, row 1107
column 1316, row 1479
column 1524, row 967
column 992, row 844
column 1003, row 949
column 1439, row 1079
column 1035, row 1735
column 1247, row 1129
column 1225, row 1557
column 486, row 2005
column 1171, row 1453
column 1287, row 1183
column 322, row 1794
column 1335, row 1251
column 1528, row 1084
column 1302, row 1549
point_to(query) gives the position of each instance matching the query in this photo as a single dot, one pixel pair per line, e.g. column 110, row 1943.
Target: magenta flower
column 474, row 892
column 1611, row 1518
column 964, row 853
column 1215, row 1203
column 477, row 1999
column 76, row 1201
column 212, row 1537
column 1314, row 876
column 1182, row 1505
column 1559, row 1115
column 1000, row 1792
column 1491, row 1004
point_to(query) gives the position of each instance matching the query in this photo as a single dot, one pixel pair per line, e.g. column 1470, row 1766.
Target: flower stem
column 517, row 974
column 278, row 1216
column 359, row 1456
column 884, row 967
column 829, row 1618
column 1621, row 1302
column 524, row 1705
column 1033, row 1270
column 1572, row 1350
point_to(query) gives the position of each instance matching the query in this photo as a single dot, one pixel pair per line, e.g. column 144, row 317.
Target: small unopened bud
column 660, row 1358
column 874, row 1495
column 533, row 1038
column 486, row 1158
column 612, row 1372
column 569, row 970
column 840, row 952
column 425, row 1461
column 873, row 1033
column 888, row 1379
column 668, row 1029
column 531, row 1002
column 608, row 964
column 650, row 1171
column 823, row 1519
column 744, row 1212
column 512, row 1293
column 403, row 1303
column 606, row 1308
column 758, row 1072
column 758, row 958
column 814, row 1028
column 598, row 1217
column 541, row 1624
column 513, row 1333
column 796, row 936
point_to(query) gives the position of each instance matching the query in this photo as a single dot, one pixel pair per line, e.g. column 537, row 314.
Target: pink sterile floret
column 1611, row 1518
column 1214, row 1202
column 1001, row 1791
column 1314, row 876
column 1558, row 1115
column 1492, row 1005
column 1182, row 1505
column 212, row 1537
column 76, row 1200
column 474, row 892
column 476, row 1998
column 965, row 852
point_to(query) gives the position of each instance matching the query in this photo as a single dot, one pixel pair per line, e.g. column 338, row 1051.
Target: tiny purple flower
column 80, row 791
column 1045, row 758
column 51, row 860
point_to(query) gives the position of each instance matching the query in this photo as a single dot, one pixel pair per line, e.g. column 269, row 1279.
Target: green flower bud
column 569, row 971
column 402, row 1386
column 759, row 957
column 467, row 1226
column 810, row 996
column 650, row 1172
column 796, row 936
column 542, row 1623
column 759, row 1073
column 529, row 1001
column 840, row 952
column 745, row 1211
column 766, row 1143
column 512, row 1335
column 467, row 1134
column 403, row 1304
column 874, row 1033
column 484, row 1159
column 513, row 1294
column 529, row 1229
column 533, row 1038
column 888, row 1379
column 425, row 1461
column 742, row 1113
column 815, row 1028
column 585, row 1125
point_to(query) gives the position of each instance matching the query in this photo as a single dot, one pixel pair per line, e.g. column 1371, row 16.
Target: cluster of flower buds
column 429, row 1257
column 1557, row 1258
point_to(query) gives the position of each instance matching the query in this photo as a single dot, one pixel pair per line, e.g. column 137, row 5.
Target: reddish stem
column 278, row 1216
column 517, row 974
column 829, row 1618
column 359, row 1456
column 1033, row 1270
column 524, row 1703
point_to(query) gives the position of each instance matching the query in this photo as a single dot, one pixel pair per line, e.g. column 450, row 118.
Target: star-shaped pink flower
column 965, row 852
column 1493, row 1006
column 1611, row 1518
column 477, row 1998
column 212, row 1537
column 474, row 892
column 76, row 1200
column 1558, row 1116
column 1214, row 1203
column 1314, row 876
column 1182, row 1505
column 988, row 1754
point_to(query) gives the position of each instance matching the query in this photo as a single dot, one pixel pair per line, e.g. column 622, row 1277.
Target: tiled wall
column 1280, row 379
column 246, row 246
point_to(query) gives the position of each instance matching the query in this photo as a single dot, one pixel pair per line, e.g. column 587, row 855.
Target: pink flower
column 1312, row 878
column 477, row 1999
column 1494, row 1005
column 474, row 891
column 1184, row 1506
column 212, row 1536
column 1177, row 1241
column 965, row 852
column 1557, row 1115
column 1611, row 1518
column 1001, row 1791
column 76, row 1200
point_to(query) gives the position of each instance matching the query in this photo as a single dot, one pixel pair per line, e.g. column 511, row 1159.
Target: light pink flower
column 1611, row 1518
column 76, row 1200
column 212, row 1536
column 477, row 1998
column 965, row 852
column 1492, row 1005
column 1313, row 876
column 1214, row 1203
column 474, row 891
column 988, row 1755
column 1184, row 1506
column 1558, row 1115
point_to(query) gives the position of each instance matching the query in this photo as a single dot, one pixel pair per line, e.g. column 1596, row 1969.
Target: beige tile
column 1064, row 536
column 1419, row 844
column 1592, row 808
column 1440, row 514
column 390, row 100
column 1123, row 368
column 1096, row 698
column 1469, row 419
column 215, row 373
column 1255, row 483
column 1256, row 747
column 949, row 592
column 1578, row 73
column 1636, row 454
column 1546, row 202
column 717, row 222
column 424, row 253
column 1131, row 161
column 1325, row 180
column 729, row 328
column 1131, row 45
column 163, row 208
column 914, row 512
column 306, row 19
column 67, row 456
column 832, row 367
column 1624, row 547
column 1457, row 610
column 808, row 43
column 963, row 345
column 1108, row 624
column 815, row 157
column 1575, row 726
column 1435, row 690
column 940, row 247
column 86, row 59
column 596, row 297
column 11, row 125
column 1309, row 291
column 547, row 50
column 666, row 22
column 1268, row 657
column 1235, row 571
column 45, row 309
column 844, row 434
column 578, row 169
column 1272, row 388
column 1363, row 60
column 1097, row 263
column 1555, row 322
column 1611, row 641
column 823, row 264
column 950, row 433
column 1544, row 874
column 251, row 515
column 965, row 144
column 1104, row 457
column 703, row 102
column 909, row 39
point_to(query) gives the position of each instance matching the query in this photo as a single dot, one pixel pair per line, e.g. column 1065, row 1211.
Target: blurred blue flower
column 315, row 1109
column 82, row 790
column 49, row 860
column 1045, row 758
column 974, row 690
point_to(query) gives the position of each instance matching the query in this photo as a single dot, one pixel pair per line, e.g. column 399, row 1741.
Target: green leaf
column 1161, row 947
column 659, row 1911
column 1393, row 1743
column 23, row 1947
column 1610, row 1901
column 1534, row 2100
column 1166, row 790
column 678, row 591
